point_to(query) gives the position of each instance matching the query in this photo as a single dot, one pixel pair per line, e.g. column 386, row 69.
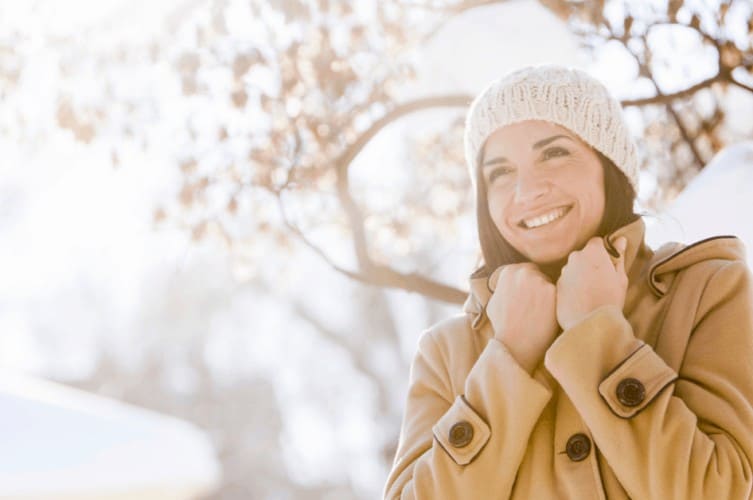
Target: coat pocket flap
column 636, row 382
column 461, row 432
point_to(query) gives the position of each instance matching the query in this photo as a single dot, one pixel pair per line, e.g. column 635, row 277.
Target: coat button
column 461, row 434
column 578, row 447
column 630, row 392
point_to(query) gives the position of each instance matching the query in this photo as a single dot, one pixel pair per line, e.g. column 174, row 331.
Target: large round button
column 461, row 434
column 578, row 447
column 631, row 392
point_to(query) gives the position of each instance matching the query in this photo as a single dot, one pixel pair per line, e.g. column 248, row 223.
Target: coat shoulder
column 702, row 257
column 449, row 331
column 454, row 339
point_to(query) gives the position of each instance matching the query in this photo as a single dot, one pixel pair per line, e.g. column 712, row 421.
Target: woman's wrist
column 528, row 361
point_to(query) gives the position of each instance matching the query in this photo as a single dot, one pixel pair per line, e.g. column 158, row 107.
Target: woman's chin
column 550, row 259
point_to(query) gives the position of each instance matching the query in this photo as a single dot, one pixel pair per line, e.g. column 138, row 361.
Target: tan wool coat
column 652, row 402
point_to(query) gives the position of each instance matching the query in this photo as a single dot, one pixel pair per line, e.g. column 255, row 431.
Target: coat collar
column 481, row 291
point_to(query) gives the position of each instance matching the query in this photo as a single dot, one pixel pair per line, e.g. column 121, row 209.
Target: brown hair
column 497, row 251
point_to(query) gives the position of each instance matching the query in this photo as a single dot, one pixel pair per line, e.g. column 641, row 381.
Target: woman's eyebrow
column 538, row 145
column 491, row 161
column 544, row 142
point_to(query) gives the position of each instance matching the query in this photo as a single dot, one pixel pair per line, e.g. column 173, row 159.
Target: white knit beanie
column 565, row 96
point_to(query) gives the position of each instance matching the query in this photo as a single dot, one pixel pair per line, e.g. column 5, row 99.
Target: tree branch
column 355, row 219
column 359, row 360
column 412, row 282
column 671, row 110
column 446, row 101
column 661, row 98
column 370, row 272
column 383, row 276
column 342, row 163
column 740, row 84
column 308, row 243
column 686, row 135
column 667, row 99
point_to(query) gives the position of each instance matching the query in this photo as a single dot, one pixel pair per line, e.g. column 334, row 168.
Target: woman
column 585, row 365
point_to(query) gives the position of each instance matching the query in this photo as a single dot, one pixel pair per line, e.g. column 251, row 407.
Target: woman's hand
column 522, row 312
column 590, row 280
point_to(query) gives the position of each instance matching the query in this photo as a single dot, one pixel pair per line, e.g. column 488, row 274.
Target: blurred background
column 244, row 213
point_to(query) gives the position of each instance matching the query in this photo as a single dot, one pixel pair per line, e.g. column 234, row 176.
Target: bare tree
column 309, row 151
column 272, row 123
column 684, row 127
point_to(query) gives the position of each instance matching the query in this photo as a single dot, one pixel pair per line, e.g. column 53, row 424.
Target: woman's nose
column 529, row 187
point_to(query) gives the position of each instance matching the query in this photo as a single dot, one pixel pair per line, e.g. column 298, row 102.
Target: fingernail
column 621, row 244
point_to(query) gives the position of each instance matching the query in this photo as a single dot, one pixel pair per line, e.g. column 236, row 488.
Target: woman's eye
column 498, row 172
column 555, row 152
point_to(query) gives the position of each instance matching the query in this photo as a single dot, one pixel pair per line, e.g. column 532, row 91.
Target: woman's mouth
column 545, row 218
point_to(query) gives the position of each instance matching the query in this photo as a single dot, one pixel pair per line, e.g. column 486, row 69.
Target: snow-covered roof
column 63, row 443
column 718, row 201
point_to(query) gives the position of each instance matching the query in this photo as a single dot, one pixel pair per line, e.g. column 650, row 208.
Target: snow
column 60, row 442
column 718, row 201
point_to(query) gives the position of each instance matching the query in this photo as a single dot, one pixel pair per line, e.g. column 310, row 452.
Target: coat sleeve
column 668, row 435
column 463, row 446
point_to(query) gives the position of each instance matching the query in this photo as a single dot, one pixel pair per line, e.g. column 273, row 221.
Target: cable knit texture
column 565, row 96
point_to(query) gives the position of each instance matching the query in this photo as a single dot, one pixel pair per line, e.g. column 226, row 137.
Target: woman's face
column 545, row 189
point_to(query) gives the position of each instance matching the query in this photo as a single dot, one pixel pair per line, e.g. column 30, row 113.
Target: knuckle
column 494, row 278
column 521, row 267
column 508, row 269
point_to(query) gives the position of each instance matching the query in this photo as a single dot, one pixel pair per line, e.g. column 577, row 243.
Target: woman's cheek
column 498, row 196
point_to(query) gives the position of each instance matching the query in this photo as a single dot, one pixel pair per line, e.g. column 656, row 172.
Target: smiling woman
column 546, row 194
column 585, row 364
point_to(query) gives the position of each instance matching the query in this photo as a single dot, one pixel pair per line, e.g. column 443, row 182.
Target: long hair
column 619, row 197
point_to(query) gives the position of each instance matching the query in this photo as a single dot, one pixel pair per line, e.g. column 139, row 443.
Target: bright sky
column 131, row 18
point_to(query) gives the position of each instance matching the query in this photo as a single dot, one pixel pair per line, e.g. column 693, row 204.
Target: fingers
column 526, row 270
column 594, row 243
column 621, row 245
column 520, row 271
column 595, row 256
column 597, row 248
column 593, row 251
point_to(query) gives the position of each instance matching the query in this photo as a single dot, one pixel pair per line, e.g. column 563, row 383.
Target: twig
column 342, row 163
column 378, row 275
column 456, row 100
column 661, row 98
column 355, row 219
column 686, row 136
column 740, row 84
column 302, row 237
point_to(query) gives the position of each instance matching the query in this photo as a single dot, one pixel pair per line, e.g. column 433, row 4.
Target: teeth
column 546, row 218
